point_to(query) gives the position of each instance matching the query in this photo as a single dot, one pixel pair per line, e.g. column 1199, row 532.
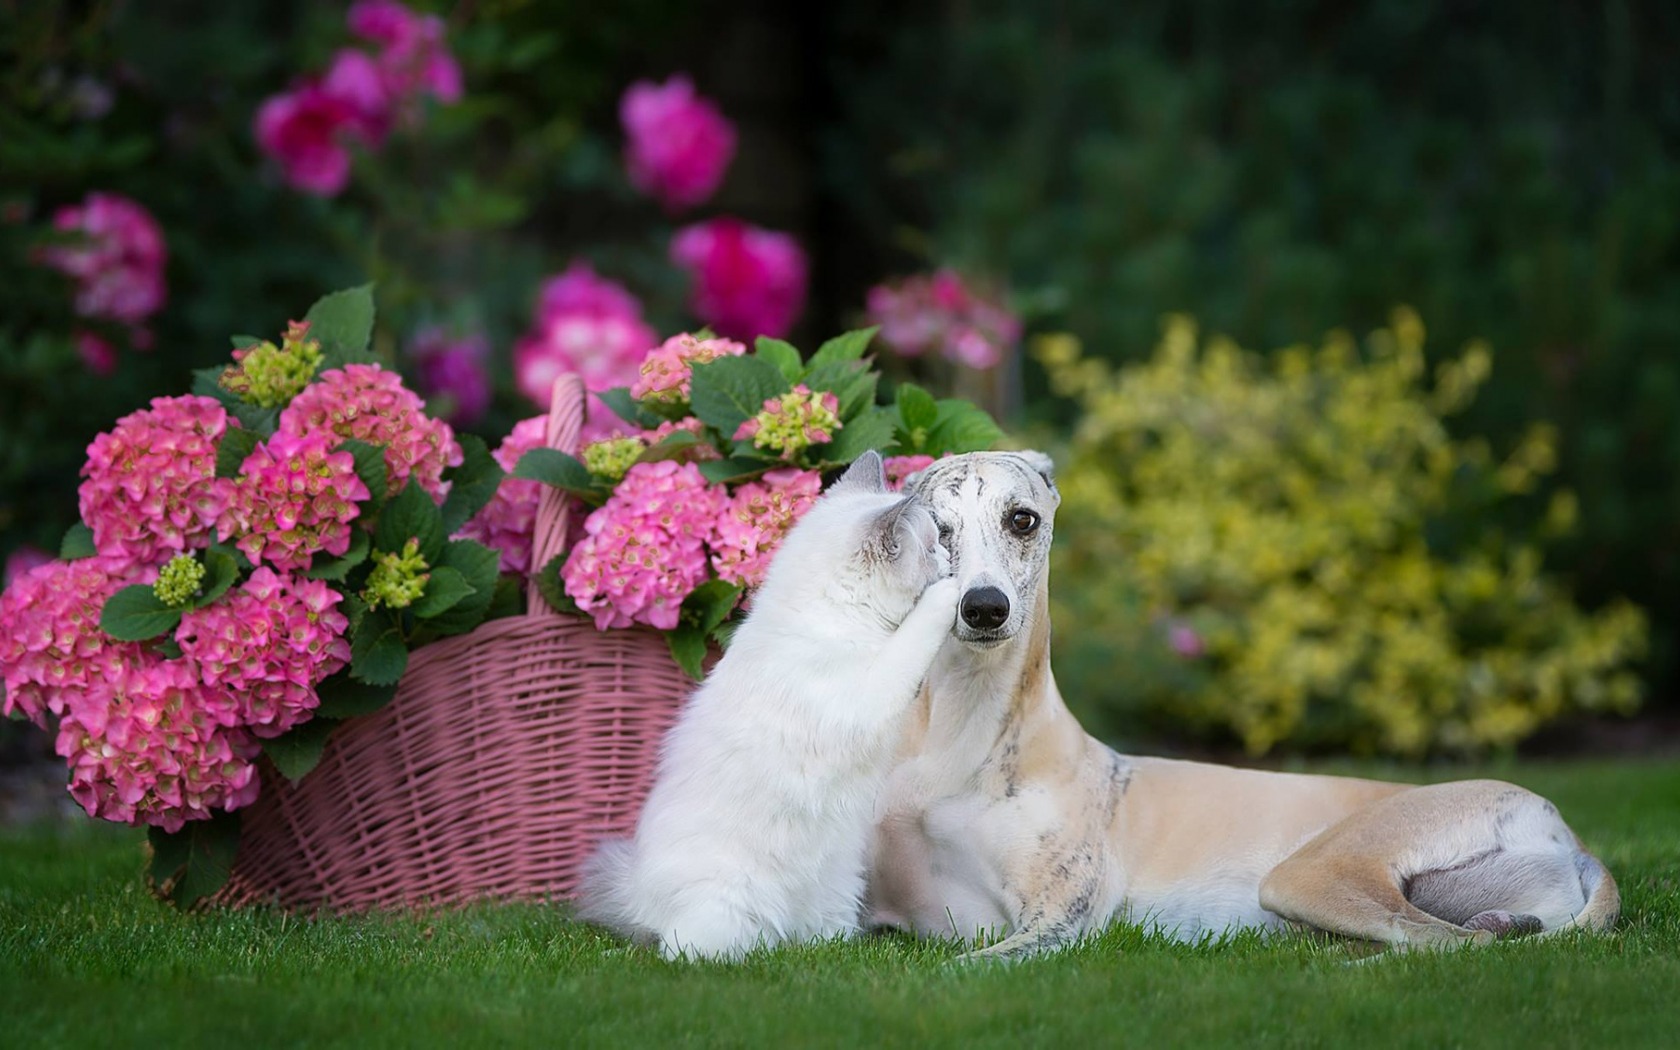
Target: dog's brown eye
column 1023, row 522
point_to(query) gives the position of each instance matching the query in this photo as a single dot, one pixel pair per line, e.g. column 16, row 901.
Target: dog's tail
column 1604, row 900
column 604, row 894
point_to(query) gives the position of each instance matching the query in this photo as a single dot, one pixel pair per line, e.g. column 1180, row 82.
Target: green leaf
column 354, row 610
column 847, row 347
column 378, row 654
column 344, row 697
column 711, row 603
column 874, row 429
column 962, row 427
column 688, row 648
column 674, row 444
column 444, row 590
column 553, row 588
column 370, row 467
column 297, row 752
column 480, row 567
column 553, row 467
column 852, row 383
column 343, row 322
column 194, row 862
column 256, row 419
column 735, row 468
column 731, row 390
column 783, row 355
column 221, row 570
column 240, row 342
column 135, row 614
column 237, row 443
column 207, row 382
column 411, row 515
column 508, row 599
column 327, row 567
column 627, row 408
column 916, row 408
column 471, row 484
column 77, row 543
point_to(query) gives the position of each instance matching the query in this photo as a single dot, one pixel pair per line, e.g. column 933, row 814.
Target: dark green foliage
column 1278, row 169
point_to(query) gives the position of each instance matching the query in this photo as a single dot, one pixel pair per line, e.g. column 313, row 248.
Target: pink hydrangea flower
column 21, row 561
column 307, row 131
column 508, row 522
column 267, row 645
column 413, row 57
column 118, row 260
column 150, row 483
column 156, row 746
column 96, row 352
column 756, row 518
column 678, row 144
column 899, row 468
column 355, row 80
column 586, row 325
column 294, row 497
column 746, row 281
column 370, row 404
column 51, row 648
column 668, row 369
column 453, row 373
column 941, row 313
column 793, row 422
column 644, row 550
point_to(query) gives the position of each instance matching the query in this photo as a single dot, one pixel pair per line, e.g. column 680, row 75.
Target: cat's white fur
column 760, row 817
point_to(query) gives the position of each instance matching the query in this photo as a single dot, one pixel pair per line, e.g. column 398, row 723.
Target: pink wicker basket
column 506, row 754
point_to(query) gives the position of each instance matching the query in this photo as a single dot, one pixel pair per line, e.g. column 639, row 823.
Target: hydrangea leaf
column 688, row 648
column 628, row 408
column 672, row 446
column 445, row 588
column 783, row 355
column 221, row 570
column 411, row 514
column 77, row 543
column 135, row 614
column 344, row 697
column 731, row 390
column 874, row 429
column 472, row 484
column 326, row 567
column 852, row 383
column 735, row 468
column 370, row 467
column 553, row 467
column 479, row 566
column 709, row 604
column 235, row 445
column 195, row 862
column 298, row 751
column 847, row 347
column 343, row 322
column 962, row 427
column 378, row 654
column 917, row 409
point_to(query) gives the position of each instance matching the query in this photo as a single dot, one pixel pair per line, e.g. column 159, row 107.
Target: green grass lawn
column 88, row 959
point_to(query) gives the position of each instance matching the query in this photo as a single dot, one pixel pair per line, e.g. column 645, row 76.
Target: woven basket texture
column 505, row 756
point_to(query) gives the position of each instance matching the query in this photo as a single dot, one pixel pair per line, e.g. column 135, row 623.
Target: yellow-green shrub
column 1295, row 550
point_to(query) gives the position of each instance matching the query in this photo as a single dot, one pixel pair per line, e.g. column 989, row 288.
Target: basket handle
column 554, row 507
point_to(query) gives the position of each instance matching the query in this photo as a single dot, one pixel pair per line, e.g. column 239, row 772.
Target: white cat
column 757, row 825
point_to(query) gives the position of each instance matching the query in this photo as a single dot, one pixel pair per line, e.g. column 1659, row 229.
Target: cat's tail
column 604, row 894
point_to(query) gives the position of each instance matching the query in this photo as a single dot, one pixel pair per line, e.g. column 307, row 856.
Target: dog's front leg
column 1063, row 888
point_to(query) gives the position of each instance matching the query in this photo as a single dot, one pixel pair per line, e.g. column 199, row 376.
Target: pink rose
column 747, row 281
column 305, row 130
column 677, row 143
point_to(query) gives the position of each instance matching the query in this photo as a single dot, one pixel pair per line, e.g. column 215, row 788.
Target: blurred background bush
column 1277, row 170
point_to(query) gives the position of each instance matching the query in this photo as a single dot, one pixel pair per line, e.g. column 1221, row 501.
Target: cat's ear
column 890, row 529
column 866, row 474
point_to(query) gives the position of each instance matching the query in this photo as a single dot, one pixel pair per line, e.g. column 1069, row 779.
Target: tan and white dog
column 1002, row 816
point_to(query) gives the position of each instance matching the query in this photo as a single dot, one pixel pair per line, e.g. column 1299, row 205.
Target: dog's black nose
column 985, row 608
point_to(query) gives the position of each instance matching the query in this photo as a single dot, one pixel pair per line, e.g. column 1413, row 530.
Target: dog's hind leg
column 1357, row 897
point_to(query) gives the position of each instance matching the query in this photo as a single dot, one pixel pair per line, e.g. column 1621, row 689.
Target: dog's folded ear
column 1041, row 463
column 866, row 474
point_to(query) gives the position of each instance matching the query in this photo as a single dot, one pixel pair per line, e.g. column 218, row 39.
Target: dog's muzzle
column 983, row 612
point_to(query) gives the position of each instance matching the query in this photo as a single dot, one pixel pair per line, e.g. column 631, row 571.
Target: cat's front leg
column 902, row 663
